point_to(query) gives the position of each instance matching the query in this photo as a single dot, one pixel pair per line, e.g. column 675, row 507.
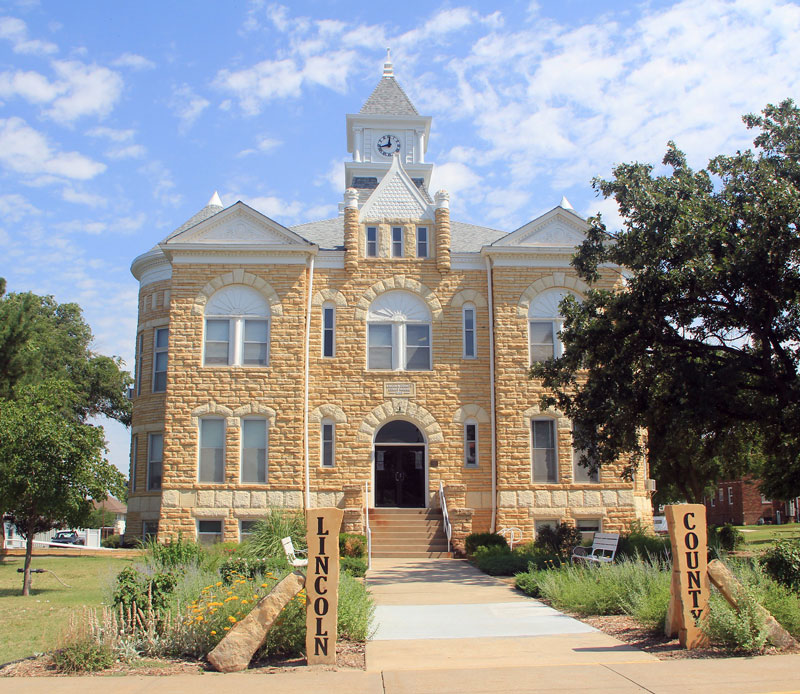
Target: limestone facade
column 318, row 396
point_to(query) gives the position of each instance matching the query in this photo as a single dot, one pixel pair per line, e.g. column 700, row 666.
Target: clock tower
column 387, row 125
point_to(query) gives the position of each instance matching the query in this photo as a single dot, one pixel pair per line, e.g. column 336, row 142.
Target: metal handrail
column 367, row 530
column 448, row 529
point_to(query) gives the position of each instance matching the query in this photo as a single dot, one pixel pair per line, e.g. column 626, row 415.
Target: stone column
column 353, row 504
column 461, row 524
column 442, row 200
column 455, row 495
column 351, row 230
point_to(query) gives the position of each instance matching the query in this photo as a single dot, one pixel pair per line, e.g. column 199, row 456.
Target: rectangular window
column 254, row 451
column 397, row 242
column 469, row 332
column 712, row 501
column 538, row 525
column 380, row 347
column 471, row 444
column 212, row 450
column 372, row 242
column 542, row 340
column 139, row 358
column 328, row 441
column 246, row 528
column 544, row 451
column 254, row 345
column 588, row 527
column 218, row 342
column 149, row 529
column 328, row 327
column 134, row 456
column 209, row 532
column 161, row 341
column 730, row 495
column 422, row 242
column 155, row 458
column 720, row 493
column 580, row 473
column 418, row 347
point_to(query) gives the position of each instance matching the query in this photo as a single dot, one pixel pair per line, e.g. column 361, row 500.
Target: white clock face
column 387, row 145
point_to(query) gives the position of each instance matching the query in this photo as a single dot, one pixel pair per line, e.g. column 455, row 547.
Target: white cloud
column 25, row 150
column 14, row 207
column 82, row 197
column 187, row 106
column 263, row 145
column 127, row 152
column 113, row 134
column 275, row 207
column 31, row 86
column 454, row 177
column 16, row 31
column 125, row 149
column 134, row 61
column 163, row 184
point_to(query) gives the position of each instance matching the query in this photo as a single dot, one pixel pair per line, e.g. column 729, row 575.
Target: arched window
column 544, row 323
column 236, row 328
column 471, row 443
column 328, row 329
column 399, row 333
column 327, row 434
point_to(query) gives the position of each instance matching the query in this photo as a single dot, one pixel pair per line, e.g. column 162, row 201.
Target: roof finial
column 215, row 201
column 388, row 71
column 565, row 204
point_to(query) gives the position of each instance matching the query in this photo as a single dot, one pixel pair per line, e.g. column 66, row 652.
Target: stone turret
column 442, row 200
column 351, row 230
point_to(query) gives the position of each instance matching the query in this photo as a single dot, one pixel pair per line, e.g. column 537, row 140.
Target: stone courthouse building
column 369, row 358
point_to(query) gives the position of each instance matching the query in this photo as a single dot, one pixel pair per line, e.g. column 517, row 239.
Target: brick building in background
column 739, row 502
column 390, row 345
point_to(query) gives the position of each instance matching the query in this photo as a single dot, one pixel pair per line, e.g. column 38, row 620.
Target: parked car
column 68, row 537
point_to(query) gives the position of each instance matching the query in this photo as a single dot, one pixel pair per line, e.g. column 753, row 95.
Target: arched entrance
column 399, row 466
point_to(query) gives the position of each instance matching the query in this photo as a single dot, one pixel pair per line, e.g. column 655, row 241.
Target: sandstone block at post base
column 235, row 651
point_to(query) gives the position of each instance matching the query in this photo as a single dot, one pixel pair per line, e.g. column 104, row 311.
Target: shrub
column 112, row 542
column 265, row 540
column 84, row 655
column 743, row 630
column 355, row 566
column 558, row 539
column 172, row 555
column 501, row 561
column 641, row 544
column 528, row 583
column 250, row 568
column 782, row 562
column 142, row 590
column 352, row 545
column 724, row 537
column 356, row 610
column 476, row 540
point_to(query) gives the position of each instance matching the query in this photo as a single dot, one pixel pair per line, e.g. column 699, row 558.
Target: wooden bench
column 291, row 553
column 603, row 549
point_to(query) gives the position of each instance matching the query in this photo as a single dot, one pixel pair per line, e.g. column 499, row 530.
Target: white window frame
column 322, row 441
column 712, row 501
column 200, row 448
column 397, row 241
column 543, row 311
column 471, row 423
column 242, row 449
column 242, row 533
column 400, row 347
column 371, row 246
column 134, row 456
column 139, row 362
column 151, row 462
column 236, row 341
column 423, row 242
column 588, row 535
column 202, row 534
column 721, row 493
column 576, row 466
column 329, row 309
column 555, row 326
column 554, row 430
column 466, row 333
column 237, row 305
column 146, row 524
column 156, row 351
column 730, row 496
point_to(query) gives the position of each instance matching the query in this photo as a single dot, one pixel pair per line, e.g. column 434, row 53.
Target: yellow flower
column 255, row 596
column 218, row 583
column 232, row 620
column 200, row 618
column 264, row 585
column 226, row 629
column 212, row 632
column 244, row 602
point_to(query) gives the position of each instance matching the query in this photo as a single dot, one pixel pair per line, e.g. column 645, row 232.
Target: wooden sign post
column 689, row 592
column 322, row 584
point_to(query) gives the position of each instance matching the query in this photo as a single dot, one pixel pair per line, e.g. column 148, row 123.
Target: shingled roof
column 389, row 99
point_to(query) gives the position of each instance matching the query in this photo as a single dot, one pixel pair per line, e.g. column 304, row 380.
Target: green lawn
column 35, row 623
column 762, row 536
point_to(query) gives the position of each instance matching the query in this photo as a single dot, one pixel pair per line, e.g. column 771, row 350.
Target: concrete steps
column 408, row 533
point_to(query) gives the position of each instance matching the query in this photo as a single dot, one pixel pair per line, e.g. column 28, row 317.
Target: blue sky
column 119, row 120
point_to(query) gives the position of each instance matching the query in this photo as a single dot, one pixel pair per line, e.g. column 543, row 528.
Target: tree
column 700, row 347
column 42, row 339
column 52, row 463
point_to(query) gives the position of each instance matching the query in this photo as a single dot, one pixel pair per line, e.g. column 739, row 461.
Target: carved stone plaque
column 399, row 390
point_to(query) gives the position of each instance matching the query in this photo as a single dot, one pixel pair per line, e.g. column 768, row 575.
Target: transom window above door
column 399, row 333
column 236, row 328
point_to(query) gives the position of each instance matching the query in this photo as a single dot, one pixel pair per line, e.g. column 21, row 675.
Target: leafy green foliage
column 643, row 545
column 782, row 563
column 266, row 536
column 725, row 537
column 172, row 555
column 558, row 539
column 497, row 560
column 352, row 545
column 743, row 630
column 111, row 542
column 699, row 346
column 83, row 656
column 250, row 568
column 145, row 591
column 356, row 610
column 475, row 540
column 355, row 566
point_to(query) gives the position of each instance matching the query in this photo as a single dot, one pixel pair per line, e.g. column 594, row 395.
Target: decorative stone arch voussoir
column 562, row 422
column 328, row 411
column 238, row 277
column 475, row 412
column 213, row 408
column 400, row 407
column 398, row 282
column 332, row 295
column 255, row 408
column 468, row 296
column 559, row 280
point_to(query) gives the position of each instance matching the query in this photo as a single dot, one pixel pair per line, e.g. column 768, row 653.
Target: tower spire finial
column 388, row 70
